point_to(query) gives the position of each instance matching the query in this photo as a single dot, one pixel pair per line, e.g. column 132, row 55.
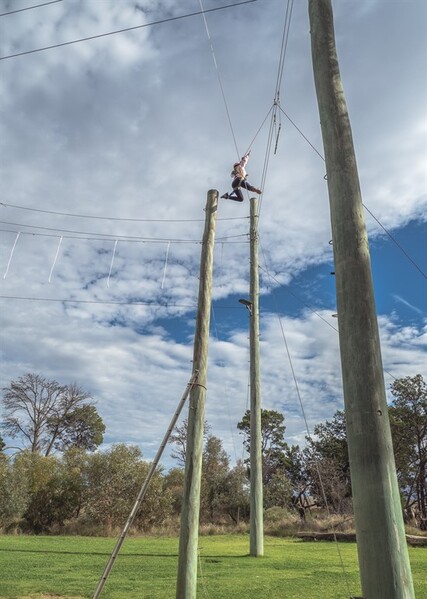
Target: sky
column 108, row 149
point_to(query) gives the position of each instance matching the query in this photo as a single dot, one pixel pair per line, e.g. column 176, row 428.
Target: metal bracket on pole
column 144, row 487
column 247, row 303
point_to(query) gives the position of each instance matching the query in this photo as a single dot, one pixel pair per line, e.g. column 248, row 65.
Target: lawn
column 146, row 568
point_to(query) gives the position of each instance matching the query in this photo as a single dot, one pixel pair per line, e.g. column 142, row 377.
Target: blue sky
column 125, row 134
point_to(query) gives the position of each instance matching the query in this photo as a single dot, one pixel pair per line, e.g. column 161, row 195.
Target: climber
column 239, row 180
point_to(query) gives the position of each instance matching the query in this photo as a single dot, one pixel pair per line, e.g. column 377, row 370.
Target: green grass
column 146, row 568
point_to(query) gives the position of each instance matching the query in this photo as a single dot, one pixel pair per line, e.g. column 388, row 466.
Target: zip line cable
column 116, row 218
column 92, row 37
column 12, row 12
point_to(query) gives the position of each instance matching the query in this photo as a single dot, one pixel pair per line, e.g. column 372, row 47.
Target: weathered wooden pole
column 144, row 488
column 186, row 586
column 256, row 491
column 383, row 556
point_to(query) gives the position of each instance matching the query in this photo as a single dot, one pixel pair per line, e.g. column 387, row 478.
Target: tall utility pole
column 383, row 556
column 186, row 586
column 256, row 494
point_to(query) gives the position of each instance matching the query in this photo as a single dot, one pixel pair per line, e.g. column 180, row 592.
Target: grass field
column 146, row 568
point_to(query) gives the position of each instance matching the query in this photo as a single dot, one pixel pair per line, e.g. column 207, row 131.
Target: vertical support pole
column 256, row 491
column 186, row 586
column 383, row 556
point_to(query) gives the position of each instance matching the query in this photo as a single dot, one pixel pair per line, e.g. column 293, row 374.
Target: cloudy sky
column 108, row 149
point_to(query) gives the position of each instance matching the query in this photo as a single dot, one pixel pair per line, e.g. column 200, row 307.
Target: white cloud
column 133, row 126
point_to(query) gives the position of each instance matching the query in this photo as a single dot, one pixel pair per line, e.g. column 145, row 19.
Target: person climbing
column 239, row 175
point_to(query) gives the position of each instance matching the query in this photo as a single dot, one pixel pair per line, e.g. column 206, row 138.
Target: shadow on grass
column 105, row 553
column 206, row 558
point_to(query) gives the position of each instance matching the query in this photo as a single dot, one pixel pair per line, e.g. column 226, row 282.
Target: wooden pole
column 383, row 556
column 186, row 586
column 144, row 488
column 256, row 491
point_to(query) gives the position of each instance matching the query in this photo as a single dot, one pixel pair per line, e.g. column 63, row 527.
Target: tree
column 174, row 484
column 328, row 464
column 273, row 445
column 82, row 428
column 114, row 479
column 236, row 502
column 14, row 496
column 48, row 416
column 408, row 418
column 54, row 493
column 215, row 466
column 2, row 444
column 277, row 457
column 179, row 439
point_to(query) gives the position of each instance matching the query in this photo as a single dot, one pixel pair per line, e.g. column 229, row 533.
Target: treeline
column 62, row 483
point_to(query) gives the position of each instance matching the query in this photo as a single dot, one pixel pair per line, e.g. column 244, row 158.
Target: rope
column 11, row 254
column 219, row 78
column 166, row 264
column 300, row 400
column 276, row 105
column 396, row 242
column 112, row 262
column 55, row 259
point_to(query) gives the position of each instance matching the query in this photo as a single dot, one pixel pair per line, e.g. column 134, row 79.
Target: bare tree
column 179, row 439
column 40, row 411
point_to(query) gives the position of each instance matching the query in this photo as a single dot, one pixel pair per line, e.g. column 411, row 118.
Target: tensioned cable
column 301, row 133
column 115, row 236
column 285, row 37
column 364, row 205
column 115, row 218
column 12, row 12
column 76, row 301
column 260, row 127
column 92, row 37
column 311, row 309
column 306, row 423
column 283, row 49
column 115, row 303
column 126, row 240
column 222, row 89
column 396, row 242
column 298, row 298
column 219, row 77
